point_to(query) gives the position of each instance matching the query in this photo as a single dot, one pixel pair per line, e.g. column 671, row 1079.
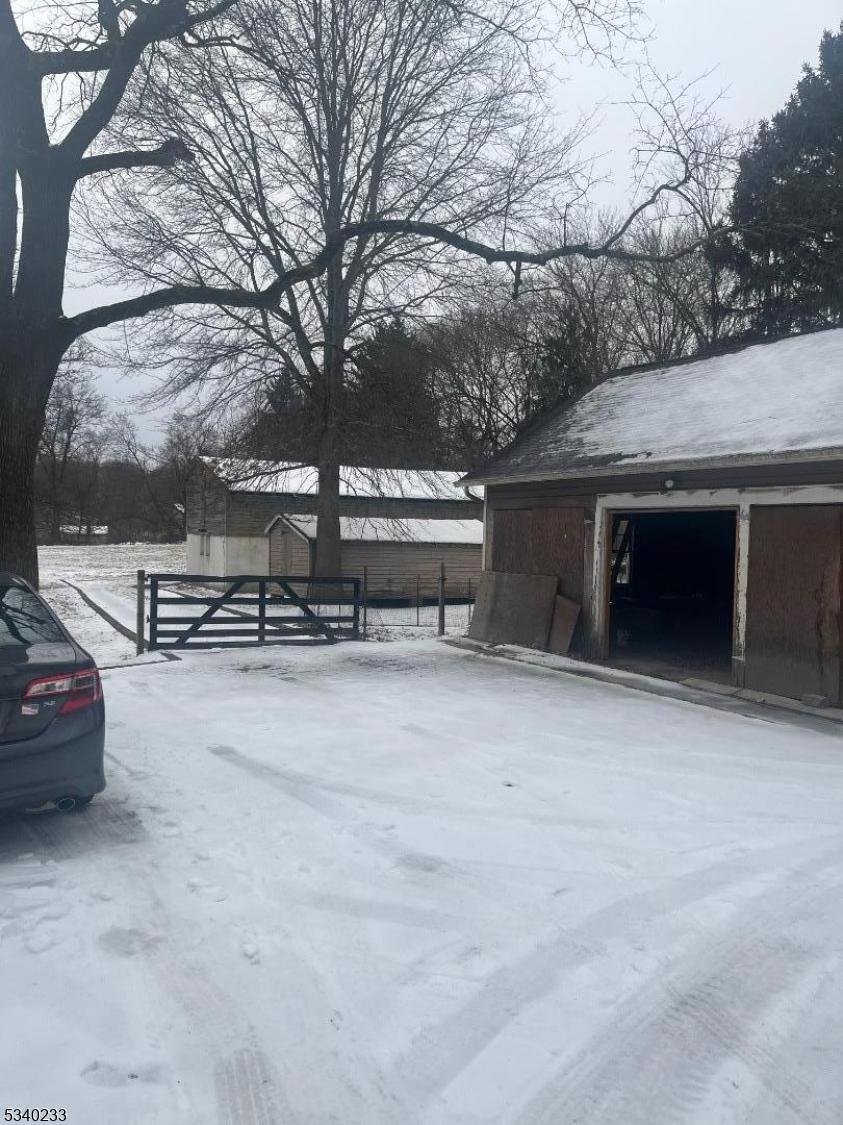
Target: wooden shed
column 695, row 514
column 258, row 517
column 402, row 558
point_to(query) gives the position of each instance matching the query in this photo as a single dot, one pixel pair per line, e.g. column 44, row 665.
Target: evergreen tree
column 788, row 204
column 390, row 412
column 567, row 366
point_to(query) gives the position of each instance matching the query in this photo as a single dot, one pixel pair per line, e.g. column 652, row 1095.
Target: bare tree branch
column 165, row 156
column 266, row 298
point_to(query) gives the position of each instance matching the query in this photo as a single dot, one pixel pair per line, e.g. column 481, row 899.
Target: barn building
column 259, row 517
column 694, row 514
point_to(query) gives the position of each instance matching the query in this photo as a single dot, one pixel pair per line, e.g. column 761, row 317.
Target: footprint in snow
column 251, row 952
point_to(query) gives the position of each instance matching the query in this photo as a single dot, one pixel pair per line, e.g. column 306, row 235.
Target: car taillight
column 82, row 689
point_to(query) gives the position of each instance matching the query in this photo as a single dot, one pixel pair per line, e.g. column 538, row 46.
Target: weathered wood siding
column 394, row 567
column 542, row 541
column 206, row 504
column 288, row 552
column 793, row 601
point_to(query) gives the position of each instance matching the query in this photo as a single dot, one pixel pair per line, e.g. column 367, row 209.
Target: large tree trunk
column 18, row 552
column 328, row 562
column 25, row 381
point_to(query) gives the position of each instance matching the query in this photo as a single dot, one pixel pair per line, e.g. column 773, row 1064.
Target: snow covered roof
column 768, row 402
column 291, row 479
column 378, row 529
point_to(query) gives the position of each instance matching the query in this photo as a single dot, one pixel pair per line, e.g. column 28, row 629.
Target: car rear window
column 24, row 620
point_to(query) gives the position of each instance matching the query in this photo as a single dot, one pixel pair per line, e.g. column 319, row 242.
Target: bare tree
column 676, row 304
column 322, row 116
column 486, row 359
column 72, row 442
column 64, row 73
column 188, row 438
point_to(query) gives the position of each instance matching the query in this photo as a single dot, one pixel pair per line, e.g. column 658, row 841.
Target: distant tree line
column 96, row 480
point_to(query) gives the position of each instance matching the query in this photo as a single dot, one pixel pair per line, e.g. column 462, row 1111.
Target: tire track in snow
column 288, row 782
column 668, row 1040
column 106, row 824
column 251, row 1089
column 812, row 1020
column 242, row 1085
column 248, row 1089
column 439, row 1054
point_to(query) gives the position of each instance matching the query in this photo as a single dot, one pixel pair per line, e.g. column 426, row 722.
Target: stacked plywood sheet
column 523, row 609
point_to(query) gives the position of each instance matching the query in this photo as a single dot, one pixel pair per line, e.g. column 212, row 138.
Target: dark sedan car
column 52, row 715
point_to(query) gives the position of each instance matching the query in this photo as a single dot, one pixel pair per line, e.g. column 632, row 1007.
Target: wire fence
column 439, row 605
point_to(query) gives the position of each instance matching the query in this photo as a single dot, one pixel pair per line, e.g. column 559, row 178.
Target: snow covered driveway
column 405, row 885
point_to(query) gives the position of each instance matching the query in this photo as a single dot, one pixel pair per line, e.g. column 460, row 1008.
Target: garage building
column 694, row 513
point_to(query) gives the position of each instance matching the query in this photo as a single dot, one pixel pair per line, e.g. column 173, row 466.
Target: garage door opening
column 672, row 586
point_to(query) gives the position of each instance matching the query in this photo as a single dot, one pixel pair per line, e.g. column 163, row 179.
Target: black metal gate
column 185, row 610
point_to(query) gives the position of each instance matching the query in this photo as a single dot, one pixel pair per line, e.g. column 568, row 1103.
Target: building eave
column 629, row 468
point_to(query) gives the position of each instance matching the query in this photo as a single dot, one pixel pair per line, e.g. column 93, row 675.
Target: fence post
column 365, row 601
column 418, row 600
column 355, row 625
column 153, row 612
column 261, row 612
column 470, row 602
column 140, row 619
column 441, row 599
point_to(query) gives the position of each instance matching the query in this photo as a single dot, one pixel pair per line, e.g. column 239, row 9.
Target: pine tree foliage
column 788, row 205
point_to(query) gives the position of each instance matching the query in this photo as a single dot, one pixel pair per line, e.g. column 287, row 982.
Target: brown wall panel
column 793, row 601
column 542, row 541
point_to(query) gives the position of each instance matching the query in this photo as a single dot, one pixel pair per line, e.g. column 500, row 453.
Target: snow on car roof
column 291, row 478
column 378, row 529
column 766, row 402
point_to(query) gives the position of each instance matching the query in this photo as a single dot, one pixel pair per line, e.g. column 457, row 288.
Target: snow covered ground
column 109, row 574
column 382, row 884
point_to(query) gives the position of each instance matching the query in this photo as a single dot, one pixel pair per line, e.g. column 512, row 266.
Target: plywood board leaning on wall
column 566, row 614
column 515, row 609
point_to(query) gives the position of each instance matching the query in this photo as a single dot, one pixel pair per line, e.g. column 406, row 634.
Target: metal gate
column 188, row 611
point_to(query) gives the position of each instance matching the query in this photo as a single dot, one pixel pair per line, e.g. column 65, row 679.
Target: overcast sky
column 753, row 48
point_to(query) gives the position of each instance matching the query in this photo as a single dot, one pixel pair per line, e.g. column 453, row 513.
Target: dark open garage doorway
column 672, row 593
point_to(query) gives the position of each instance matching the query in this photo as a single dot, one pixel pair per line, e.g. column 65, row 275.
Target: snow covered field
column 389, row 884
column 109, row 573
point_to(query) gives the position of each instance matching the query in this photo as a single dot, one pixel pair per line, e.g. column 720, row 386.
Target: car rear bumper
column 61, row 763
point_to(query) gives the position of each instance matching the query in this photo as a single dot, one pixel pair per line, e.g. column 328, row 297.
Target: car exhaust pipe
column 66, row 804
